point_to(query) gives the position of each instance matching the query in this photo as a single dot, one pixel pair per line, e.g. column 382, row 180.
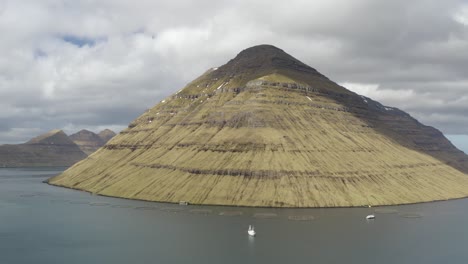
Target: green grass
column 268, row 146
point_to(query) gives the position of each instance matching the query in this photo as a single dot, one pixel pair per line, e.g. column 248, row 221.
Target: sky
column 74, row 64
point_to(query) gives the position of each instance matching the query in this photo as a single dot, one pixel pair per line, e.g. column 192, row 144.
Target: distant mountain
column 267, row 130
column 88, row 141
column 53, row 148
column 106, row 135
column 55, row 136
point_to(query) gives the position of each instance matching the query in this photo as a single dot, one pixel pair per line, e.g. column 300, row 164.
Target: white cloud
column 461, row 16
column 375, row 92
column 92, row 64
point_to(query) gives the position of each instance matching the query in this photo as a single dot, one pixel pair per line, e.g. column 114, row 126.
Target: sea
column 44, row 224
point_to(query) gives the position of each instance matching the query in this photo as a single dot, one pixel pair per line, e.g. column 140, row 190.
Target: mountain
column 88, row 141
column 268, row 130
column 51, row 149
column 106, row 135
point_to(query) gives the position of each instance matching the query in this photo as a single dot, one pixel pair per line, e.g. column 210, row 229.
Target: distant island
column 53, row 149
column 267, row 130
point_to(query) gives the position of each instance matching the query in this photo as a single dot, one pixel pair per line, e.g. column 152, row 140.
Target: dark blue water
column 45, row 224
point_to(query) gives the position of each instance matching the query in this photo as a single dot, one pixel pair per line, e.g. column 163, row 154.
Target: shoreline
column 253, row 206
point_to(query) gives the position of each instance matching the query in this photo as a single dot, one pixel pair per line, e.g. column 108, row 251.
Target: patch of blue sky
column 81, row 41
column 460, row 141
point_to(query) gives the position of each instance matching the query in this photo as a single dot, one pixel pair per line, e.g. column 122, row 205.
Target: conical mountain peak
column 267, row 130
column 265, row 48
column 264, row 60
column 84, row 131
column 265, row 56
column 85, row 135
column 106, row 134
column 88, row 141
column 262, row 54
column 55, row 136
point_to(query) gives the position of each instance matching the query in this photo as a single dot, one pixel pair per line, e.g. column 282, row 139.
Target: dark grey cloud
column 87, row 64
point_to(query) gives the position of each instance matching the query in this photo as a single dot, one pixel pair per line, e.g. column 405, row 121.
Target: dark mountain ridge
column 52, row 149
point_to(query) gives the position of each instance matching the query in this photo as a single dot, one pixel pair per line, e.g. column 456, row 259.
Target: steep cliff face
column 267, row 130
column 51, row 149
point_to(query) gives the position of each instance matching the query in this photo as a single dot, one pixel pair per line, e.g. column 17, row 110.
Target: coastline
column 254, row 206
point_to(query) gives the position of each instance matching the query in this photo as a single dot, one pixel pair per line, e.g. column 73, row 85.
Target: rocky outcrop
column 48, row 150
column 267, row 130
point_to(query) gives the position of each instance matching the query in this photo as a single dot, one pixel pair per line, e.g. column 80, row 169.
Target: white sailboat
column 251, row 231
column 371, row 216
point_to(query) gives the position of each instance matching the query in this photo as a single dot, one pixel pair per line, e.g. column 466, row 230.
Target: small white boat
column 371, row 216
column 251, row 231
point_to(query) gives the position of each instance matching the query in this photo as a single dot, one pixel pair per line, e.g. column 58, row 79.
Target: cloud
column 87, row 64
column 461, row 16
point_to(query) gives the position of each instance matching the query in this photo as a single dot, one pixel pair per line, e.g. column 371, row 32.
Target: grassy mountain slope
column 267, row 130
